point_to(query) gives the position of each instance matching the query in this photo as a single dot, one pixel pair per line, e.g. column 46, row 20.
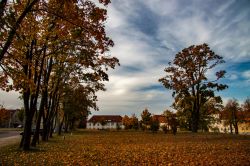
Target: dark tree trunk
column 195, row 121
column 27, row 134
column 29, row 113
column 37, row 132
column 29, row 102
column 231, row 128
column 236, row 128
column 41, row 109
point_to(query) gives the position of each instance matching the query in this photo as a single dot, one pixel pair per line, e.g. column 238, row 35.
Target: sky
column 148, row 34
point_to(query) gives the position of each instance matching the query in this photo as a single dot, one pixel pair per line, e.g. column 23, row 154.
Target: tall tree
column 187, row 77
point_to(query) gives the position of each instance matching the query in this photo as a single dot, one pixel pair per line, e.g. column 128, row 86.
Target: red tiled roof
column 161, row 118
column 107, row 118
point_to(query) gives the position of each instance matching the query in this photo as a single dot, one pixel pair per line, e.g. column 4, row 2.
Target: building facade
column 105, row 122
column 220, row 126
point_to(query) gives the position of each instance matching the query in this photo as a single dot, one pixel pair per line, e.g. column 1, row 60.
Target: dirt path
column 9, row 140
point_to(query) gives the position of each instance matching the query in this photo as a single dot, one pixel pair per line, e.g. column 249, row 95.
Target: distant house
column 105, row 122
column 10, row 118
column 220, row 126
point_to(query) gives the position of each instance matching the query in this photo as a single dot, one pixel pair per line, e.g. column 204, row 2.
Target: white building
column 219, row 125
column 105, row 122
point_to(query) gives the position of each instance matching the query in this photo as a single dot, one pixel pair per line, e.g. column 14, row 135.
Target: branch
column 12, row 33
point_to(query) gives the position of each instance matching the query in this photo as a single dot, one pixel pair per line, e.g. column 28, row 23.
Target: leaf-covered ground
column 134, row 148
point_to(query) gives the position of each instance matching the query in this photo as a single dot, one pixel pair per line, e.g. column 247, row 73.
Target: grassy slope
column 134, row 148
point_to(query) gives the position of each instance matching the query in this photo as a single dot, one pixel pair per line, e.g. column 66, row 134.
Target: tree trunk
column 236, row 128
column 195, row 122
column 37, row 132
column 231, row 128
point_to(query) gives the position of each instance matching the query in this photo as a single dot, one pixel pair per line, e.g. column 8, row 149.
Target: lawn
column 134, row 148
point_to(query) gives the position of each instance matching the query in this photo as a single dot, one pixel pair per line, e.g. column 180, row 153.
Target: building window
column 112, row 123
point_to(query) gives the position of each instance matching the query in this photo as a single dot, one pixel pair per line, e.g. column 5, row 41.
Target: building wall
column 108, row 125
column 219, row 126
column 244, row 128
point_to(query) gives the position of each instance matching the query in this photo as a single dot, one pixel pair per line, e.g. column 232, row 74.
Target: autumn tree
column 135, row 122
column 130, row 122
column 187, row 78
column 233, row 115
column 126, row 122
column 145, row 119
column 77, row 103
column 154, row 124
column 171, row 121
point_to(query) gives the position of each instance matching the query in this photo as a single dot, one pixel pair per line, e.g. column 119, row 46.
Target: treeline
column 167, row 122
column 229, row 115
column 55, row 54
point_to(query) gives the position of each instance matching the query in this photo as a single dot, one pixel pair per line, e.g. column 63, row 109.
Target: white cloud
column 246, row 75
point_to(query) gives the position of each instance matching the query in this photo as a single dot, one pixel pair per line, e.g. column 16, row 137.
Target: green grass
column 134, row 148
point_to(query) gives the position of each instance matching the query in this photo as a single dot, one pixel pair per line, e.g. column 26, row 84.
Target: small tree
column 134, row 122
column 126, row 122
column 154, row 124
column 145, row 119
column 130, row 122
column 103, row 122
column 232, row 114
column 171, row 121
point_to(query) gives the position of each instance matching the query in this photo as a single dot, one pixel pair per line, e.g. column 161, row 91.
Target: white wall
column 108, row 125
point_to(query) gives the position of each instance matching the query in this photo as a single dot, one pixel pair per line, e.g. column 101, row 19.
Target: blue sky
column 148, row 34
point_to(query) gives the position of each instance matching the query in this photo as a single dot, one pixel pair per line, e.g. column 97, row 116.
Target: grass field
column 134, row 148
